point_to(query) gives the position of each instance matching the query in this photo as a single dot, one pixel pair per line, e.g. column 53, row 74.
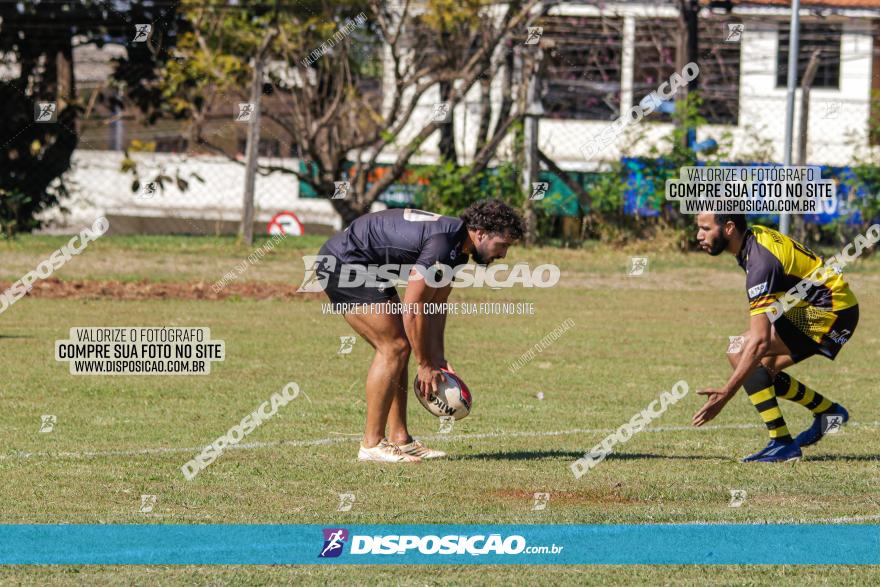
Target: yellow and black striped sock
column 762, row 394
column 787, row 387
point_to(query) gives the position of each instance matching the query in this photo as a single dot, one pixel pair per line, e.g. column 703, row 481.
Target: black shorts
column 362, row 294
column 799, row 329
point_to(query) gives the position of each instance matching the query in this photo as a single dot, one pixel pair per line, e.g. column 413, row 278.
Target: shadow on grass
column 572, row 455
column 841, row 458
column 2, row 336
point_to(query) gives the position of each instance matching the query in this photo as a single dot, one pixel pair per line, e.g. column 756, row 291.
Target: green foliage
column 38, row 38
column 11, row 202
column 867, row 182
column 663, row 160
column 33, row 159
column 673, row 153
column 865, row 179
column 448, row 189
column 159, row 177
column 211, row 60
column 607, row 191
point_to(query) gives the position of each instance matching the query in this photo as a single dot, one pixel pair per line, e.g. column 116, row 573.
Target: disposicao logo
column 409, row 544
column 334, row 539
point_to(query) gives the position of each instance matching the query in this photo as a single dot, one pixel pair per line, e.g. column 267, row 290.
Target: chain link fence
column 598, row 62
column 742, row 79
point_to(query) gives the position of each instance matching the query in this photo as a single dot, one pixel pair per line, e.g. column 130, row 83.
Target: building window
column 171, row 144
column 268, row 147
column 718, row 82
column 825, row 37
column 583, row 58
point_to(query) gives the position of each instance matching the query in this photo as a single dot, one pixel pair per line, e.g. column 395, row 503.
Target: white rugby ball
column 453, row 398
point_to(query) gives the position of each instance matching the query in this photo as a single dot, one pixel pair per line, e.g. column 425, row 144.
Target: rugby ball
column 453, row 398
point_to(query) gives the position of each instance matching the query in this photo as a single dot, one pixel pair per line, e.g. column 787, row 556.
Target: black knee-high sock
column 787, row 387
column 762, row 394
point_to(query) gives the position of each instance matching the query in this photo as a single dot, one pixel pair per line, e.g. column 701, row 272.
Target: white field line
column 353, row 438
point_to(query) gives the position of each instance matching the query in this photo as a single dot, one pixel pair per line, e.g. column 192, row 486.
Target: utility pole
column 793, row 50
column 531, row 162
column 246, row 231
column 687, row 52
column 797, row 225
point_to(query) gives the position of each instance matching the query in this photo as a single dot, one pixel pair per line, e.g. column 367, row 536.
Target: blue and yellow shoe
column 822, row 425
column 776, row 451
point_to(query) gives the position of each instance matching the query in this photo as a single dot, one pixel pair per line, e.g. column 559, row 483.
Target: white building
column 602, row 60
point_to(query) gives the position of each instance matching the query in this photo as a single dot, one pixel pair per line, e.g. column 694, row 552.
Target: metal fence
column 598, row 62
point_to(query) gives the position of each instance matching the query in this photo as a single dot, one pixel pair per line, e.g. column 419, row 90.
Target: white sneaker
column 417, row 449
column 386, row 452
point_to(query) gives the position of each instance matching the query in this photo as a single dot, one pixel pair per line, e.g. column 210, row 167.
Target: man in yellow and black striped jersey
column 820, row 323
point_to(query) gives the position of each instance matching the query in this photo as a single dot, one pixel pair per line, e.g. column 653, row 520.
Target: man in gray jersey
column 421, row 240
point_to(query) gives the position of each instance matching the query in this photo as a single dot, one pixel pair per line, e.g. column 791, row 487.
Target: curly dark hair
column 495, row 217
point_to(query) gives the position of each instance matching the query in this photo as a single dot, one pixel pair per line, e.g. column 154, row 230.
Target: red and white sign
column 285, row 223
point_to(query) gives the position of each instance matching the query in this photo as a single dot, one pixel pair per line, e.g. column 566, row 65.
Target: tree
column 324, row 68
column 38, row 41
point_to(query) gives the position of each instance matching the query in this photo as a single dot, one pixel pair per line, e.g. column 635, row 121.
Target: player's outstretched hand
column 448, row 367
column 715, row 402
column 430, row 376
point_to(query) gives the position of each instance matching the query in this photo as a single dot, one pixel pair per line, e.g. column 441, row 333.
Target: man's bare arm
column 756, row 346
column 418, row 330
column 437, row 326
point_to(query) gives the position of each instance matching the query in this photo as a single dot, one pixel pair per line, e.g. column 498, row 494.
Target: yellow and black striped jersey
column 774, row 264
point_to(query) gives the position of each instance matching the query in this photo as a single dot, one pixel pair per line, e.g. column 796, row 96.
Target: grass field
column 118, row 437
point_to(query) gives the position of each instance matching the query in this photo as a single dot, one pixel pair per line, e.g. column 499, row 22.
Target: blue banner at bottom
column 698, row 544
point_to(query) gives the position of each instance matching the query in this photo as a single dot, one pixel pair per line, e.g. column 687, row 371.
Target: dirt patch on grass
column 145, row 290
column 676, row 280
column 55, row 288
